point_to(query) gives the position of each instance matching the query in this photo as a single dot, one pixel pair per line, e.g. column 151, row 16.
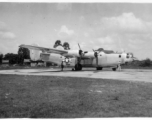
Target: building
column 27, row 62
column 5, row 62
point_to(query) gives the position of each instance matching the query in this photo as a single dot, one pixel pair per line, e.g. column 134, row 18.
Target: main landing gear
column 62, row 66
column 78, row 67
column 114, row 69
column 99, row 68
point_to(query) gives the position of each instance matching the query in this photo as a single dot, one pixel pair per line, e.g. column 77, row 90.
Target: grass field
column 57, row 97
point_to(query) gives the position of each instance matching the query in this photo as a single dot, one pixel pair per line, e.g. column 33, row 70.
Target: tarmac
column 125, row 74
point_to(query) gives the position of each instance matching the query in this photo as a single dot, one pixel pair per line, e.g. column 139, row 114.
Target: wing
column 43, row 49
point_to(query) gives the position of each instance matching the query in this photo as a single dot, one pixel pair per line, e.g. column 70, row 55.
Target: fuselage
column 87, row 60
column 78, row 58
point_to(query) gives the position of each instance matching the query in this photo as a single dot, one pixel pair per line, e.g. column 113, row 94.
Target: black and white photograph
column 75, row 59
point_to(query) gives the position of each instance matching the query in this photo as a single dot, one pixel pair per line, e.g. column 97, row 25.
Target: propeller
column 96, row 56
column 80, row 54
column 80, row 51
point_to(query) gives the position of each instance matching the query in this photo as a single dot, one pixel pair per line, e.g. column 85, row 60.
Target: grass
column 57, row 97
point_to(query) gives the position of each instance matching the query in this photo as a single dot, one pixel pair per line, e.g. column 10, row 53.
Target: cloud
column 125, row 23
column 86, row 34
column 9, row 46
column 123, row 32
column 82, row 18
column 5, row 34
column 7, row 39
column 64, row 6
column 2, row 26
column 126, row 31
column 106, row 40
column 65, row 32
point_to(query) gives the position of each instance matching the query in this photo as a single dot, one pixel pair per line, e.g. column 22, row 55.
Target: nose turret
column 130, row 57
column 127, row 57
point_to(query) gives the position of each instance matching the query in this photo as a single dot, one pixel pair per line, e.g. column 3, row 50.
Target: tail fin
column 35, row 54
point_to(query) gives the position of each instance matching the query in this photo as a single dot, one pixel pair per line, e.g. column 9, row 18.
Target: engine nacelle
column 89, row 54
column 76, row 53
column 128, row 57
column 73, row 53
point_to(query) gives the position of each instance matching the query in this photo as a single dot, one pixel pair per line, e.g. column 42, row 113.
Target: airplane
column 77, row 59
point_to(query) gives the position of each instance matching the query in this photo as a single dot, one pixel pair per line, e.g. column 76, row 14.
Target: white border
column 81, row 1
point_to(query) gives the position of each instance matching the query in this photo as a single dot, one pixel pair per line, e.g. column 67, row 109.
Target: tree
column 66, row 46
column 146, row 63
column 1, row 57
column 57, row 43
column 13, row 58
column 23, row 53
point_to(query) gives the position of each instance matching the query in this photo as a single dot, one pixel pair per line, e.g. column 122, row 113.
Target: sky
column 112, row 26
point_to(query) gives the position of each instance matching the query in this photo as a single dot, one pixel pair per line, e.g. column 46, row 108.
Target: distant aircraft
column 78, row 58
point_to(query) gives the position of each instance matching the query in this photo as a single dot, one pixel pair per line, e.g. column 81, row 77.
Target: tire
column 114, row 69
column 78, row 67
column 99, row 68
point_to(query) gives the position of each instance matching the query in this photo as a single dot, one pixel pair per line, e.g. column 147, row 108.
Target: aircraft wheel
column 78, row 67
column 99, row 68
column 114, row 69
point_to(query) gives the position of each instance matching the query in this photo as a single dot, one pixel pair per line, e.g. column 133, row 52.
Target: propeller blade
column 80, row 51
column 79, row 46
column 96, row 61
column 93, row 50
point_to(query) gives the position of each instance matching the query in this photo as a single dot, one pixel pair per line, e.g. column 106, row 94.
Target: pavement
column 126, row 74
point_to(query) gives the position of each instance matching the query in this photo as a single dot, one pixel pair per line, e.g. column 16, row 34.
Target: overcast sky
column 112, row 26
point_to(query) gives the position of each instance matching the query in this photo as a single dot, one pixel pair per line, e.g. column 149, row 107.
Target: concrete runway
column 125, row 74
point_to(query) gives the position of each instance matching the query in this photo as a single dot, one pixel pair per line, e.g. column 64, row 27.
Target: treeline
column 23, row 53
column 139, row 63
